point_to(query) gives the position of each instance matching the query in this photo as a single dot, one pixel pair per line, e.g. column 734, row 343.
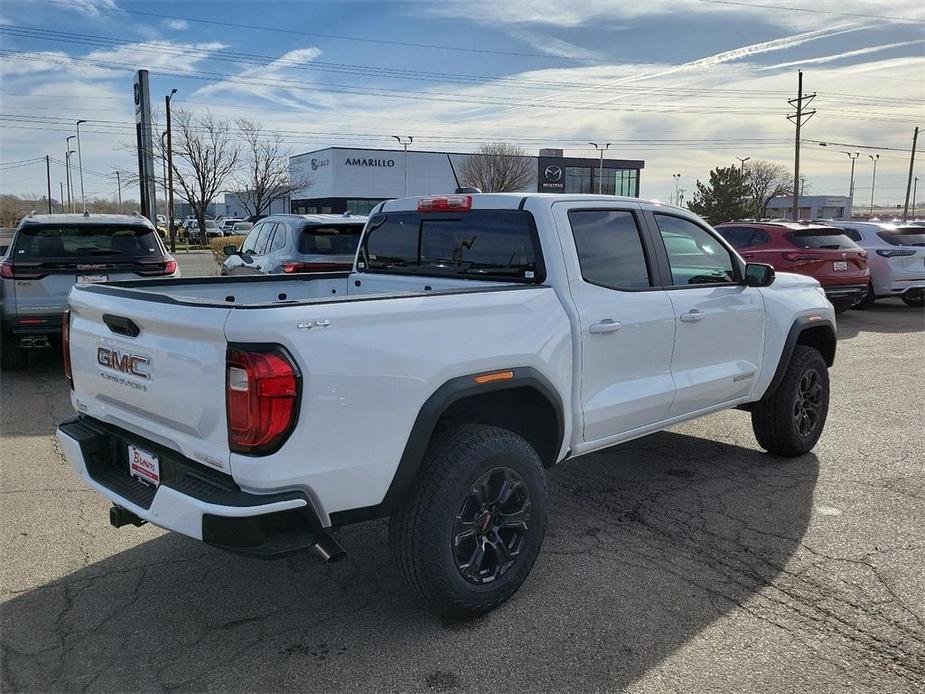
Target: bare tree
column 264, row 174
column 765, row 180
column 205, row 155
column 498, row 167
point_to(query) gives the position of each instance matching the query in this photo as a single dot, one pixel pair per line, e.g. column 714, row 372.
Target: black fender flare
column 430, row 413
column 800, row 325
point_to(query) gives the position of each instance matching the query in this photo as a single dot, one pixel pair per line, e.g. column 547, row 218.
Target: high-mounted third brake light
column 262, row 397
column 445, row 203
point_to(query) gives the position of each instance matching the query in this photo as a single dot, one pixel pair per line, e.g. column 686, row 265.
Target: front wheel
column 471, row 528
column 790, row 421
column 914, row 299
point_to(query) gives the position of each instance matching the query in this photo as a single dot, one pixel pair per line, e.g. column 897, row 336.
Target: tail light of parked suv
column 20, row 271
column 161, row 267
column 66, row 347
column 263, row 386
column 894, row 253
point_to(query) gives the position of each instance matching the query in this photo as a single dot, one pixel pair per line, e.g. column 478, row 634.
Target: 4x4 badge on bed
column 309, row 324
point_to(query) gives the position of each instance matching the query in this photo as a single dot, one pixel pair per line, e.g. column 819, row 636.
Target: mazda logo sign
column 553, row 173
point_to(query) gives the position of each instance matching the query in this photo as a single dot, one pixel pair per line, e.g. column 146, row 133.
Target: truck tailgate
column 167, row 382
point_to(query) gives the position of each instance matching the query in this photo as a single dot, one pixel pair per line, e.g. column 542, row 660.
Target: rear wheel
column 914, row 299
column 12, row 356
column 790, row 421
column 471, row 528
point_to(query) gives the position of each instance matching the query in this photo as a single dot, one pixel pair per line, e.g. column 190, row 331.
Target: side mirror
column 230, row 250
column 759, row 275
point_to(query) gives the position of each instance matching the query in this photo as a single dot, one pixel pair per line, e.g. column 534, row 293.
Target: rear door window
column 903, row 236
column 743, row 237
column 82, row 241
column 831, row 239
column 330, row 239
column 480, row 244
column 609, row 247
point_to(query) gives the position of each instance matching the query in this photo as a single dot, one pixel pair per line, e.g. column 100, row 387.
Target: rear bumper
column 38, row 324
column 845, row 291
column 192, row 499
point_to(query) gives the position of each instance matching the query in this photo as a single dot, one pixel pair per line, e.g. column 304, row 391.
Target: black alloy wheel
column 914, row 299
column 808, row 403
column 491, row 525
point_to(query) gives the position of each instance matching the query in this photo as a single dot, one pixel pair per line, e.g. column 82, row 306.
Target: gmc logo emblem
column 131, row 364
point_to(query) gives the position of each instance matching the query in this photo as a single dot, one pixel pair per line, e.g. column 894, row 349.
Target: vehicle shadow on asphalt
column 647, row 545
column 47, row 398
column 885, row 316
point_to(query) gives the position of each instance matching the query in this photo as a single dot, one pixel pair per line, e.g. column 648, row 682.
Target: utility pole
column 799, row 118
column 119, row 190
column 915, row 185
column 676, row 177
column 48, row 176
column 915, row 137
column 600, row 173
column 80, row 167
column 742, row 165
column 61, row 188
column 170, row 225
column 70, row 181
column 853, row 157
column 164, row 163
column 404, row 141
column 680, row 197
column 873, row 182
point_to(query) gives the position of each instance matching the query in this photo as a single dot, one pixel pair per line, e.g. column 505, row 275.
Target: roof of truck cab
column 79, row 218
column 513, row 200
column 319, row 218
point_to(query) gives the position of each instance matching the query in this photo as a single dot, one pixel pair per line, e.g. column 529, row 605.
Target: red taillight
column 66, row 347
column 161, row 267
column 797, row 257
column 20, row 272
column 314, row 267
column 262, row 391
column 445, row 203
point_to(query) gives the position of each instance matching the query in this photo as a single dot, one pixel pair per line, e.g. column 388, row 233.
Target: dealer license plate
column 92, row 279
column 840, row 265
column 144, row 465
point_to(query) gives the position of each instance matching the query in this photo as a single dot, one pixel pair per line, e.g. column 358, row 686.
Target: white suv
column 896, row 257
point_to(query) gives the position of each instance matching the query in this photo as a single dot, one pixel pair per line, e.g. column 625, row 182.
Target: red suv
column 822, row 252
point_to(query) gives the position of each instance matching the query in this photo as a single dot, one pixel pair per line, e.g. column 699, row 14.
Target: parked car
column 896, row 255
column 478, row 340
column 213, row 229
column 227, row 223
column 240, row 228
column 50, row 253
column 811, row 249
column 290, row 243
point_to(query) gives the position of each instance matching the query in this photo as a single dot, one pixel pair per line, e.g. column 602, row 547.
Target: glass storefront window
column 617, row 182
column 577, row 179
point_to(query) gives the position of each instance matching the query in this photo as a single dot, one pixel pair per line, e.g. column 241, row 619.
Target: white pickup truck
column 478, row 340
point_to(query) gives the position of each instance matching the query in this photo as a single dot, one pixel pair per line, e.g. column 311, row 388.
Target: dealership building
column 341, row 179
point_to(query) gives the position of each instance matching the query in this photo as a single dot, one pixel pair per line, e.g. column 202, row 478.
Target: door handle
column 608, row 325
column 692, row 316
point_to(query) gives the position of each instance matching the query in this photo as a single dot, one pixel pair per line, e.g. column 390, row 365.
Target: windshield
column 211, row 225
column 334, row 239
column 481, row 244
column 85, row 240
column 832, row 239
column 903, row 236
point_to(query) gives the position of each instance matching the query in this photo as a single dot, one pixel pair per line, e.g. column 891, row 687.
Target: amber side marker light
column 492, row 377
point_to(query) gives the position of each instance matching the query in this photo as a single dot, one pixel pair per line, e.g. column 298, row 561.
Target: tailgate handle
column 120, row 325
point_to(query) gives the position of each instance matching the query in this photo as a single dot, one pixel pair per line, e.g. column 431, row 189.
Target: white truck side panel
column 366, row 376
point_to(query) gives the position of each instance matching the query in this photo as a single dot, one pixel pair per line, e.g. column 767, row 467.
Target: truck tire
column 790, row 421
column 472, row 525
column 12, row 356
column 914, row 299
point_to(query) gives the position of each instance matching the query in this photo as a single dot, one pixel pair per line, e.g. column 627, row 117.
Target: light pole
column 915, row 184
column 164, row 162
column 680, row 197
column 873, row 182
column 170, row 225
column 80, row 167
column 67, row 165
column 600, row 174
column 676, row 177
column 742, row 165
column 119, row 189
column 404, row 141
column 852, row 157
column 61, row 188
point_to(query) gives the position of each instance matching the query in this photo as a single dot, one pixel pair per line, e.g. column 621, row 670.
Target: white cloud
column 92, row 8
column 552, row 45
column 177, row 24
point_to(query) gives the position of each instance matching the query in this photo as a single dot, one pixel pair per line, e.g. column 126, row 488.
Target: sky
column 685, row 85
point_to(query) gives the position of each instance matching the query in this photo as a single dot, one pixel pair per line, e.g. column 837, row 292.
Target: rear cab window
column 330, row 239
column 478, row 244
column 78, row 242
column 832, row 239
column 903, row 236
column 610, row 250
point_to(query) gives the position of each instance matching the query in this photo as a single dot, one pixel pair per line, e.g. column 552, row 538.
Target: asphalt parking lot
column 686, row 561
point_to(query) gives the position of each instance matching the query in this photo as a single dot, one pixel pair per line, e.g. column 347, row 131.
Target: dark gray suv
column 287, row 243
